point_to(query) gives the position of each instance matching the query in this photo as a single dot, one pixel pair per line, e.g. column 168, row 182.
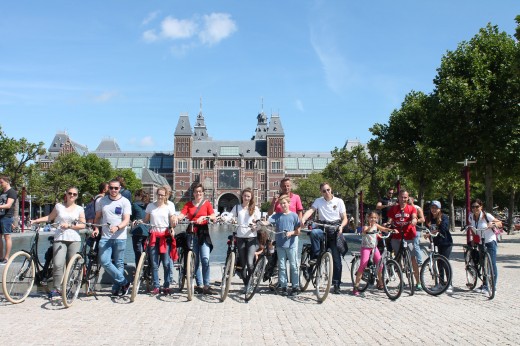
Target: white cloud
column 217, row 26
column 147, row 141
column 150, row 17
column 176, row 29
column 150, row 36
column 105, row 97
column 299, row 105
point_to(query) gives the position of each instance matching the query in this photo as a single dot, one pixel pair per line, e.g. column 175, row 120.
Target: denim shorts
column 6, row 225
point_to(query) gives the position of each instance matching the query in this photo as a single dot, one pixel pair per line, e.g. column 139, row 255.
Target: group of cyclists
column 156, row 221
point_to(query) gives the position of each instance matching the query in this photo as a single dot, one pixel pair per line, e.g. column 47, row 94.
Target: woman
column 197, row 211
column 246, row 213
column 481, row 219
column 139, row 232
column 438, row 222
column 67, row 241
column 162, row 217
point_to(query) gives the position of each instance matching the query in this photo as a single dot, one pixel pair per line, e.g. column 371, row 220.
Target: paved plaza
column 461, row 318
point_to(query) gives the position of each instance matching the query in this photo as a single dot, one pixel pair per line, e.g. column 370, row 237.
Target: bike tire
column 139, row 275
column 430, row 275
column 18, row 277
column 255, row 277
column 489, row 276
column 91, row 276
column 324, row 277
column 190, row 274
column 181, row 269
column 392, row 279
column 72, row 280
column 226, row 276
column 407, row 269
column 471, row 270
column 354, row 267
column 305, row 269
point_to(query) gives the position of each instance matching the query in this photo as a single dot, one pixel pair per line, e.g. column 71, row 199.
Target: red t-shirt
column 189, row 209
column 402, row 218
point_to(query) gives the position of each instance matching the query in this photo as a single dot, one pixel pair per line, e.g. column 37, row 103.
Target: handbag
column 342, row 244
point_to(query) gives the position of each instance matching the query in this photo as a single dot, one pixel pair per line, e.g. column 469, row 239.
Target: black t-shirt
column 11, row 193
column 387, row 202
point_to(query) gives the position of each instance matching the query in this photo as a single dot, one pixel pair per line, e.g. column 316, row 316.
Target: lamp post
column 361, row 211
column 466, row 164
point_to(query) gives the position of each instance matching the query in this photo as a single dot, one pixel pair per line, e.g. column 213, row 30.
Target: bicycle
column 265, row 268
column 392, row 276
column 82, row 269
column 24, row 268
column 478, row 263
column 436, row 272
column 404, row 258
column 319, row 273
column 144, row 269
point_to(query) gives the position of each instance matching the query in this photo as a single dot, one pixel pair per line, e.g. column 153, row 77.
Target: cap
column 436, row 203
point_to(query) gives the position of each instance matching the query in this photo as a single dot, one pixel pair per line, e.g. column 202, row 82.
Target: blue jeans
column 201, row 253
column 317, row 235
column 417, row 248
column 285, row 254
column 113, row 249
column 492, row 250
column 158, row 257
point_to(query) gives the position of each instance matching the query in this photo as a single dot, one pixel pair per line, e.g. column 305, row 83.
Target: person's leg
column 166, row 261
column 154, row 254
column 137, row 245
column 316, row 237
column 204, row 258
column 59, row 256
column 446, row 252
column 492, row 250
column 7, row 228
column 198, row 272
column 292, row 255
column 119, row 259
column 336, row 263
column 364, row 256
column 282, row 270
column 411, row 247
column 252, row 246
column 417, row 248
column 242, row 255
column 105, row 259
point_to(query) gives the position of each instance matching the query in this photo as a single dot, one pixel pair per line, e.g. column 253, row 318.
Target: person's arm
column 344, row 222
column 47, row 218
column 494, row 221
column 8, row 204
column 307, row 215
column 380, row 206
column 270, row 211
column 414, row 218
column 420, row 215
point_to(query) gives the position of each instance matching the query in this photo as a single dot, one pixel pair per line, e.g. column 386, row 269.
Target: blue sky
column 127, row 69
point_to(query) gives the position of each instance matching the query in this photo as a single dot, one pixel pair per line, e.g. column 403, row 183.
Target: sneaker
column 282, row 291
column 418, row 287
column 355, row 292
column 209, row 291
column 295, row 291
column 449, row 289
column 199, row 290
column 125, row 289
column 54, row 294
column 155, row 291
column 115, row 293
column 336, row 289
column 3, row 262
column 166, row 291
column 479, row 289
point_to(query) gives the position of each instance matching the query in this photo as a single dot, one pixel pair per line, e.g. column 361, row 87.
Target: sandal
column 380, row 286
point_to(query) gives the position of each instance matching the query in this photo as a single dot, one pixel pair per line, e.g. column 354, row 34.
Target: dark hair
column 102, row 187
column 251, row 205
column 323, row 184
column 121, row 180
column 478, row 201
column 145, row 197
column 195, row 186
column 115, row 181
column 284, row 180
column 5, row 178
column 262, row 237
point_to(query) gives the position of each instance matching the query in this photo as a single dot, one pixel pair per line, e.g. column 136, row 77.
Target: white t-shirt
column 244, row 219
column 113, row 212
column 330, row 210
column 489, row 235
column 67, row 216
column 160, row 216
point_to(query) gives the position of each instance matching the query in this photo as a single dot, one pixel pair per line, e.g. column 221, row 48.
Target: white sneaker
column 449, row 289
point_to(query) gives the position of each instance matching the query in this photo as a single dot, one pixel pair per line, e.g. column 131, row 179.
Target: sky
column 127, row 69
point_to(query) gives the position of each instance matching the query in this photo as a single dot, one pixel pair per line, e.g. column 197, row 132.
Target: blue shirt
column 286, row 222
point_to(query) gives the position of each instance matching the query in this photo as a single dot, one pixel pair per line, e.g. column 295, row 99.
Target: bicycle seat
column 51, row 239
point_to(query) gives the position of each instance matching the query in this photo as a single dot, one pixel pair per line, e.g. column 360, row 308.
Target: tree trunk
column 510, row 212
column 356, row 210
column 489, row 187
column 451, row 198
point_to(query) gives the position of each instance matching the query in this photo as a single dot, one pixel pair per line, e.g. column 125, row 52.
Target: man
column 385, row 203
column 404, row 217
column 417, row 240
column 296, row 202
column 331, row 210
column 115, row 210
column 7, row 199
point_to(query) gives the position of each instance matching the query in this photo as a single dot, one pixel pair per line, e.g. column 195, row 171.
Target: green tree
column 478, row 94
column 308, row 188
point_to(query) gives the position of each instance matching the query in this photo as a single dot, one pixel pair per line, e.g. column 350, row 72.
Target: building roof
column 275, row 126
column 108, row 145
column 150, row 177
column 59, row 141
column 183, row 126
column 247, row 149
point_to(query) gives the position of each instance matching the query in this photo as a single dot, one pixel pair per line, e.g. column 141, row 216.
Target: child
column 287, row 230
column 368, row 244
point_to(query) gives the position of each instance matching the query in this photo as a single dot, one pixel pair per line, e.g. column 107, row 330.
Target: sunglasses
column 325, row 190
column 72, row 194
column 114, row 188
column 161, row 195
column 475, row 206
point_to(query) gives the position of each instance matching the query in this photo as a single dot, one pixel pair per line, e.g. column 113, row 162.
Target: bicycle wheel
column 72, row 280
column 489, row 276
column 18, row 277
column 354, row 267
column 471, row 270
column 91, row 276
column 190, row 274
column 324, row 276
column 305, row 269
column 407, row 269
column 430, row 276
column 255, row 277
column 226, row 276
column 181, row 269
column 139, row 275
column 392, row 279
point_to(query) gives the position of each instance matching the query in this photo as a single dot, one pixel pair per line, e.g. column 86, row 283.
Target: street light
column 466, row 164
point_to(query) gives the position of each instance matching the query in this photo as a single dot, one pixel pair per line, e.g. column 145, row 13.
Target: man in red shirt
column 296, row 204
column 404, row 217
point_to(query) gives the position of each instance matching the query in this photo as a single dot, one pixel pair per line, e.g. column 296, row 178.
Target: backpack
column 90, row 209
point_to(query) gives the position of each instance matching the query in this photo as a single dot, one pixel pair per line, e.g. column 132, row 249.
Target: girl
column 368, row 244
column 246, row 213
column 139, row 232
column 67, row 241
